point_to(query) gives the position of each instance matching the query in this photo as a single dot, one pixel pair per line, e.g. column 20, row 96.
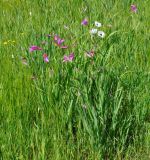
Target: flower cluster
column 59, row 42
column 68, row 58
column 9, row 42
column 95, row 31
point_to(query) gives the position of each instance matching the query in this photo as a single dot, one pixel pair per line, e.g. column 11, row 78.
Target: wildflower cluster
column 9, row 42
column 95, row 31
column 59, row 42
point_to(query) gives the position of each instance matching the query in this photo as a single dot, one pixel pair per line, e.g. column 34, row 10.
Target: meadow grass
column 90, row 108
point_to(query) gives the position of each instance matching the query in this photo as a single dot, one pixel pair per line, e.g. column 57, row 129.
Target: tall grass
column 92, row 108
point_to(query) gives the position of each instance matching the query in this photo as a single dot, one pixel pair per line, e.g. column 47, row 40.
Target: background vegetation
column 91, row 108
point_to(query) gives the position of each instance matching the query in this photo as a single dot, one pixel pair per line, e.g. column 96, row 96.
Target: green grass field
column 88, row 108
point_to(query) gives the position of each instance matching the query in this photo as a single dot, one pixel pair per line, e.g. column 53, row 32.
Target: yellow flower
column 22, row 33
column 5, row 43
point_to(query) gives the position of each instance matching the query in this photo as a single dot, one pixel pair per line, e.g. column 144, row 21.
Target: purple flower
column 56, row 38
column 133, row 8
column 68, row 58
column 45, row 57
column 58, row 41
column 84, row 22
column 34, row 48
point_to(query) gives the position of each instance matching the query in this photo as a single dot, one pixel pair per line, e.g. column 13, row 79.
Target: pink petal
column 56, row 38
column 59, row 41
column 65, row 58
column 64, row 47
column 45, row 55
column 84, row 22
column 62, row 40
column 31, row 50
column 68, row 58
column 34, row 48
column 46, row 59
column 71, row 57
column 133, row 8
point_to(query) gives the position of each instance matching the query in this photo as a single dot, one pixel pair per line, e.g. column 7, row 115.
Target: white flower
column 97, row 24
column 30, row 13
column 66, row 27
column 93, row 31
column 101, row 34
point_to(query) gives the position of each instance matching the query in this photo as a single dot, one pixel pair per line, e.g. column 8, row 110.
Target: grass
column 91, row 108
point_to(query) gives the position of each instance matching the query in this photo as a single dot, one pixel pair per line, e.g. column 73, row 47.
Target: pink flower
column 133, row 8
column 84, row 22
column 58, row 41
column 45, row 57
column 64, row 47
column 90, row 54
column 68, row 58
column 34, row 48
